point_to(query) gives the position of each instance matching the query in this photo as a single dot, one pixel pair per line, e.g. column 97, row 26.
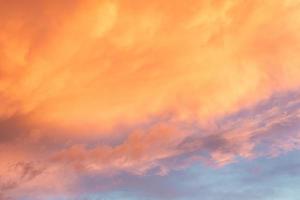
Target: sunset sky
column 149, row 100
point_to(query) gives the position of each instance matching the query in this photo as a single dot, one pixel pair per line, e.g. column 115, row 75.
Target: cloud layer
column 115, row 86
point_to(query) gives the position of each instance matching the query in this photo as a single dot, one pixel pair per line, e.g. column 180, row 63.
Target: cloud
column 117, row 86
column 11, row 129
column 22, row 172
column 137, row 154
column 168, row 146
column 247, row 134
column 105, row 62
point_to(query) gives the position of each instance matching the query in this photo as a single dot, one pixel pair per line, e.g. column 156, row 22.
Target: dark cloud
column 204, row 143
column 22, row 173
column 12, row 128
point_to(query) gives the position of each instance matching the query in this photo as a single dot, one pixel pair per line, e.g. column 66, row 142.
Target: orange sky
column 108, row 62
column 87, row 68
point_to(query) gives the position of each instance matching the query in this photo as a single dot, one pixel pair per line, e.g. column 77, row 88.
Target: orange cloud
column 104, row 63
column 139, row 153
column 110, row 69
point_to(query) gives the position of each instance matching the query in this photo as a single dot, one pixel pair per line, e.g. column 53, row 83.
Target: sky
column 149, row 100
